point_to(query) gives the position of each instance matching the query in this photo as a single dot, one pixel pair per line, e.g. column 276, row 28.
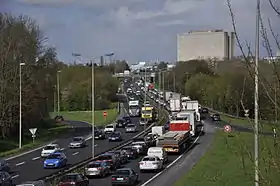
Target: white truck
column 158, row 130
column 134, row 108
column 168, row 95
column 175, row 105
column 192, row 116
column 192, row 105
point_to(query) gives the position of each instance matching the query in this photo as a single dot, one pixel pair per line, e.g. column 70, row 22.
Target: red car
column 74, row 179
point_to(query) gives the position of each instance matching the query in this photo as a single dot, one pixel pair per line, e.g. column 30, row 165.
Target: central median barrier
column 54, row 179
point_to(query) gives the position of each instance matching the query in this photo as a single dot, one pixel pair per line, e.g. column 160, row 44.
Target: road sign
column 227, row 128
column 33, row 131
column 246, row 112
column 105, row 113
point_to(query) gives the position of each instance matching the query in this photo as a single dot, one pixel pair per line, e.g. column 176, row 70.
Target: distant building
column 212, row 44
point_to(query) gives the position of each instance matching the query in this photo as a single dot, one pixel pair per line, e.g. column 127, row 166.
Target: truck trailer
column 178, row 137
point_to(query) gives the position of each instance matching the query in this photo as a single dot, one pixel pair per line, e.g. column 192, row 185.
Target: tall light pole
column 256, row 135
column 145, row 98
column 92, row 102
column 92, row 107
column 20, row 107
column 58, row 90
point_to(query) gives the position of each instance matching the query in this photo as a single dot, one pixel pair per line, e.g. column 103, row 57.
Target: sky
column 135, row 30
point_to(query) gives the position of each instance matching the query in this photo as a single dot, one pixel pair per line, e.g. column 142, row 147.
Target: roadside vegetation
column 21, row 41
column 86, row 116
column 229, row 161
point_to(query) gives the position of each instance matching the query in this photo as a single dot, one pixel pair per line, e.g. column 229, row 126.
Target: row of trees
column 227, row 86
column 23, row 45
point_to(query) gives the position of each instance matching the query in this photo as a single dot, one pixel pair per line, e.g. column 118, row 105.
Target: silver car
column 97, row 168
column 130, row 128
column 77, row 142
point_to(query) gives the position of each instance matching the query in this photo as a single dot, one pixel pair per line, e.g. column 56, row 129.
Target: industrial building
column 212, row 44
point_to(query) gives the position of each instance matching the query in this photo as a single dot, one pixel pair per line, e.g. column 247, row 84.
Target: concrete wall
column 205, row 45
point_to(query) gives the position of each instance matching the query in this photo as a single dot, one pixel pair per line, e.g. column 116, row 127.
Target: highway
column 29, row 166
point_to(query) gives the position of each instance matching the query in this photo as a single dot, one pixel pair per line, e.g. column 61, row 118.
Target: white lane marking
column 158, row 174
column 75, row 153
column 62, row 149
column 21, row 163
column 15, row 176
column 30, row 151
column 36, row 158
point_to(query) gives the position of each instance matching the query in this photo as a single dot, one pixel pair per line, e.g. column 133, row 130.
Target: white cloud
column 137, row 29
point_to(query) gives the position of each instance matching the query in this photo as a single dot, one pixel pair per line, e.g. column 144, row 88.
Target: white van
column 159, row 152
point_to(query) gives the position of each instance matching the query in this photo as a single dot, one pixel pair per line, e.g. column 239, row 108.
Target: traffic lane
column 62, row 142
column 187, row 161
column 134, row 164
column 74, row 156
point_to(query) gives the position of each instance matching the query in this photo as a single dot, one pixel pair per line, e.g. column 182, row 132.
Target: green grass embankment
column 229, row 162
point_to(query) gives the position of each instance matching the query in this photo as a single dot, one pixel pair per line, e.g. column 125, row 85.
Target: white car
column 139, row 146
column 49, row 149
column 150, row 163
column 110, row 128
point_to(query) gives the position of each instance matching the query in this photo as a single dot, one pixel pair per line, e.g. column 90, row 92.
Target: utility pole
column 145, row 98
column 54, row 99
column 92, row 108
column 174, row 82
column 20, row 105
column 256, row 135
column 58, row 91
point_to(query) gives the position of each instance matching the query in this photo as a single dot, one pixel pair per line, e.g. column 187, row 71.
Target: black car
column 122, row 156
column 131, row 152
column 115, row 136
column 216, row 117
column 5, row 179
column 4, row 166
column 125, row 176
column 99, row 134
column 58, row 119
column 127, row 119
column 204, row 110
column 121, row 123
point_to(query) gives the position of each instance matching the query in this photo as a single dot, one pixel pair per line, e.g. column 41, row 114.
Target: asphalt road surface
column 190, row 157
column 30, row 166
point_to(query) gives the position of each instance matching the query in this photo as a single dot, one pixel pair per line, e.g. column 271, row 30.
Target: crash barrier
column 79, row 167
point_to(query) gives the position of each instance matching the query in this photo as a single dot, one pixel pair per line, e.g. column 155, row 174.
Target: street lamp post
column 93, row 107
column 58, row 91
column 145, row 98
column 20, row 106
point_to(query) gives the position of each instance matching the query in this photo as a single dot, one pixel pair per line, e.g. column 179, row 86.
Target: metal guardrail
column 54, row 179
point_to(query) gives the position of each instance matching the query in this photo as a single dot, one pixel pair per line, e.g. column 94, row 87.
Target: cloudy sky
column 136, row 30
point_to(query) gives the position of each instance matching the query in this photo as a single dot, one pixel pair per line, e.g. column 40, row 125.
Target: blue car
column 55, row 160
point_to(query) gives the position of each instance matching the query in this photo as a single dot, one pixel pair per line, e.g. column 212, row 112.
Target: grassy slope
column 86, row 116
column 228, row 162
column 10, row 147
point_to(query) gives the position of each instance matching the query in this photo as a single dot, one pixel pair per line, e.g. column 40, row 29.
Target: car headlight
column 57, row 161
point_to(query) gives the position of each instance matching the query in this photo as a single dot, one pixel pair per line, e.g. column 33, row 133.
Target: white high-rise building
column 212, row 44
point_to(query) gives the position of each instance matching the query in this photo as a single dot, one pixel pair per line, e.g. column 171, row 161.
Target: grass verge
column 86, row 116
column 264, row 125
column 43, row 136
column 229, row 162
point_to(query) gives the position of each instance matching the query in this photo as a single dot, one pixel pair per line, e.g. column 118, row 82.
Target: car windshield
column 104, row 157
column 77, row 139
column 68, row 178
column 109, row 126
column 149, row 159
column 122, row 172
column 54, row 156
column 146, row 111
column 94, row 165
column 130, row 125
column 49, row 147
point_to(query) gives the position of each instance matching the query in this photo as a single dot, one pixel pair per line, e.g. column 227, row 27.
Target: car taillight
column 100, row 168
column 113, row 178
column 126, row 178
column 154, row 163
column 141, row 163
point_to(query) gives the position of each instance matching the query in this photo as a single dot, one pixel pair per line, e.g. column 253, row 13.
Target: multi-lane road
column 29, row 166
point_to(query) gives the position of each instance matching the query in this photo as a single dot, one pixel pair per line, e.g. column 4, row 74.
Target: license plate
column 168, row 149
column 51, row 164
column 119, row 179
